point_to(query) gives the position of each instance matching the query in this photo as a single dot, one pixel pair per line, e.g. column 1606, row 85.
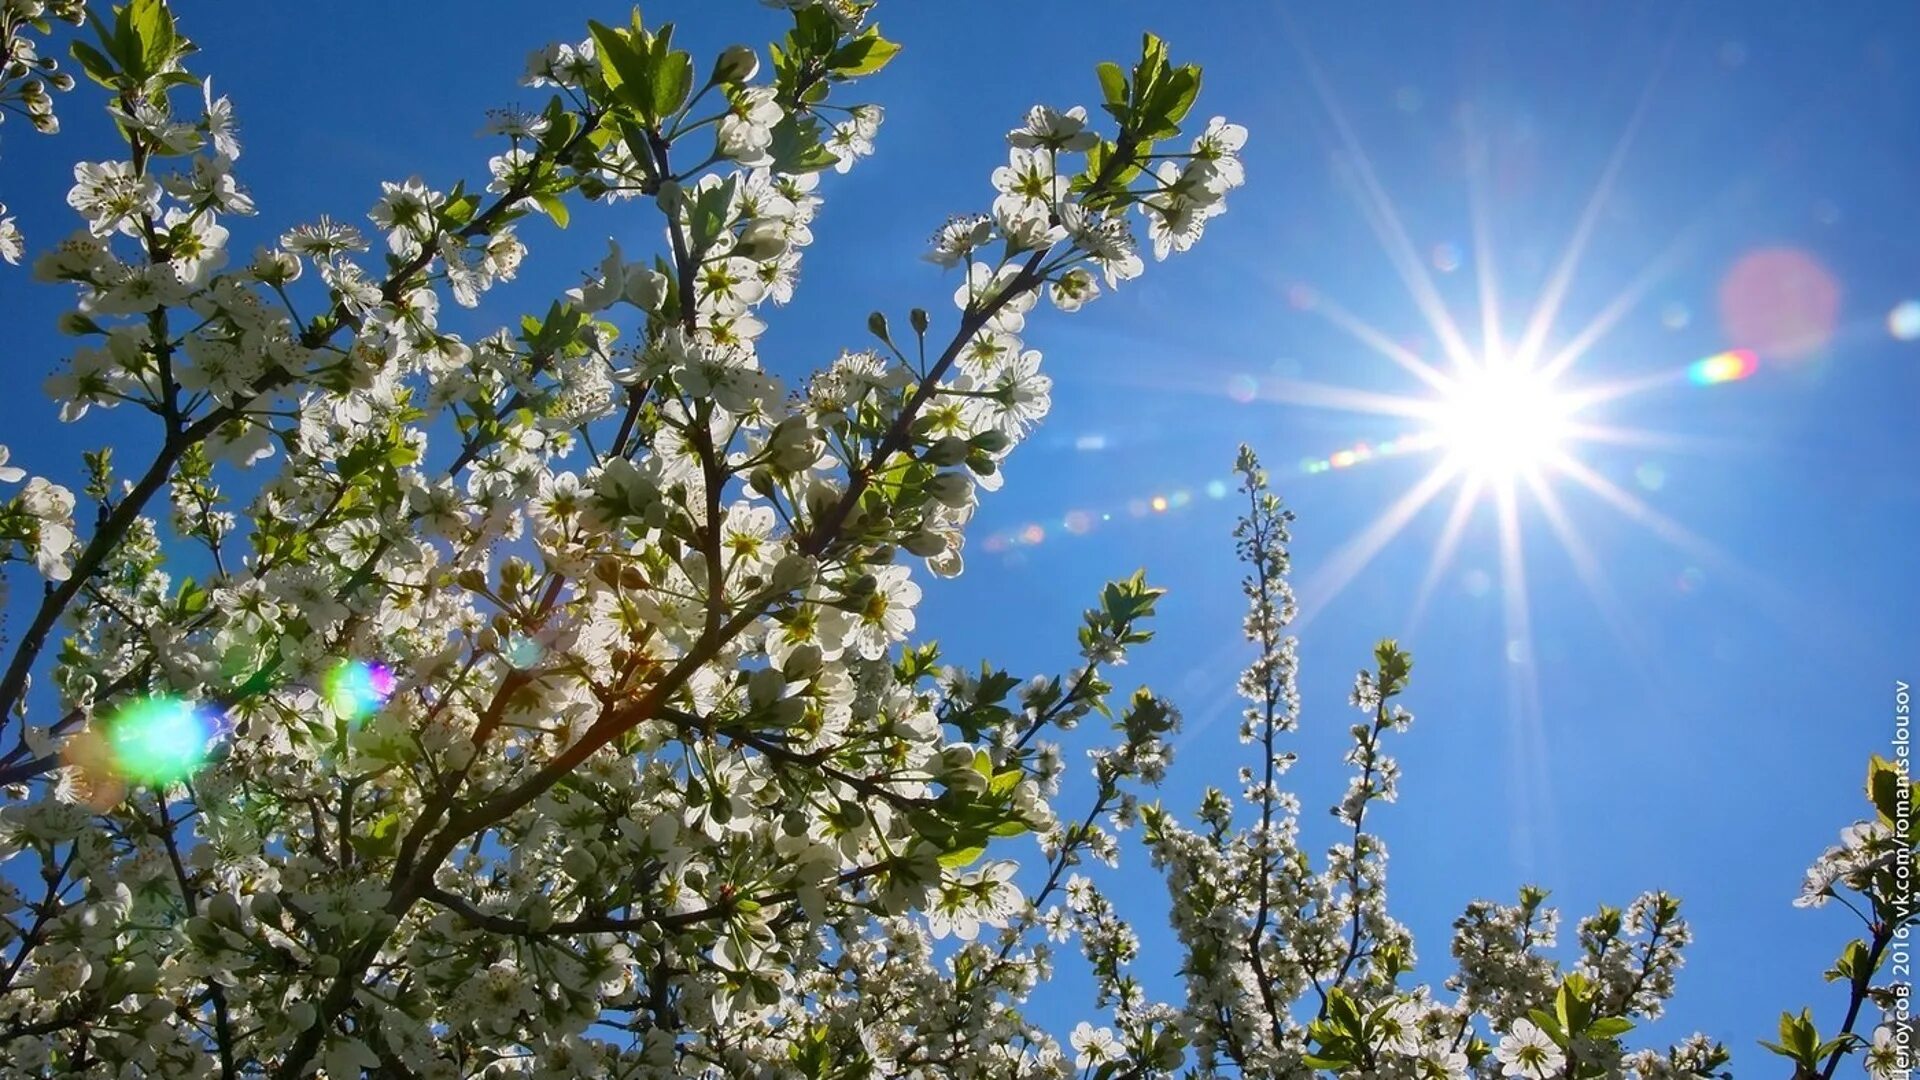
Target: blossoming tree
column 544, row 703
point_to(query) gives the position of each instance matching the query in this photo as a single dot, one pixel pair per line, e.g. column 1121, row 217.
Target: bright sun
column 1502, row 421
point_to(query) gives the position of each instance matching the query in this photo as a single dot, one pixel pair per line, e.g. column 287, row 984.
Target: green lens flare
column 158, row 740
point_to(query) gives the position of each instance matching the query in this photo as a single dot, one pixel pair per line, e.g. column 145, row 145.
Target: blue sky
column 1708, row 738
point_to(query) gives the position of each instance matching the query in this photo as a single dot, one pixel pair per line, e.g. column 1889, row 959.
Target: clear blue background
column 1713, row 750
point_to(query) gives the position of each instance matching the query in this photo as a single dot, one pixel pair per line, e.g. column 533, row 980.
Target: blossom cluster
column 28, row 81
column 544, row 700
column 550, row 702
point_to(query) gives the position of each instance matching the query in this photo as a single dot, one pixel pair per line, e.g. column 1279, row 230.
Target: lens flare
column 1782, row 301
column 1730, row 366
column 1903, row 322
column 523, row 652
column 158, row 740
column 356, row 688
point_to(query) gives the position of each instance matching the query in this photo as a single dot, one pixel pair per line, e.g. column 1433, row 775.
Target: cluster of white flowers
column 600, row 716
column 547, row 704
column 36, row 524
column 27, row 82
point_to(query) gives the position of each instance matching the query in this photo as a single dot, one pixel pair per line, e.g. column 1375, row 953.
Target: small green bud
column 952, row 489
column 991, row 441
column 926, row 544
column 765, row 239
column 951, row 450
column 802, row 663
column 736, row 64
column 765, row 686
column 794, row 571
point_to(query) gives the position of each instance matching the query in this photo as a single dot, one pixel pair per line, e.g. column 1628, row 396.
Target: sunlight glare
column 1502, row 421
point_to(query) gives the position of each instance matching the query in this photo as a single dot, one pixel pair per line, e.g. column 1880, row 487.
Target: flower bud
column 793, row 571
column 662, row 832
column 646, row 288
column 765, row 686
column 224, row 910
column 539, row 913
column 951, row 450
column 74, row 322
column 579, row 864
column 925, row 543
column 952, row 489
column 764, row 239
column 991, row 441
column 736, row 64
column 802, row 663
column 266, row 907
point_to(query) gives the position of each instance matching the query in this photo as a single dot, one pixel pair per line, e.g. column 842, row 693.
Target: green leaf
column 1608, row 1027
column 959, row 857
column 1884, row 789
column 191, row 599
column 1852, row 965
column 153, row 36
column 555, row 207
column 863, row 55
column 1395, row 665
column 814, row 32
column 95, row 64
column 382, row 839
column 797, row 146
column 628, row 71
column 673, row 81
column 1113, row 85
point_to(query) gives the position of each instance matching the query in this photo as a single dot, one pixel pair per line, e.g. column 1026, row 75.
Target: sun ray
column 1616, row 435
column 1371, row 336
column 1603, row 393
column 1377, row 207
column 1547, row 309
column 1527, row 734
column 1486, row 276
column 1767, row 597
column 1464, row 502
column 1343, row 398
column 1586, row 566
column 1356, row 553
column 1640, row 513
column 1624, row 302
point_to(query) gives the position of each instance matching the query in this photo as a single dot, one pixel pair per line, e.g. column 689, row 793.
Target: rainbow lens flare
column 1414, row 443
column 1730, row 366
column 158, row 740
column 355, row 688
